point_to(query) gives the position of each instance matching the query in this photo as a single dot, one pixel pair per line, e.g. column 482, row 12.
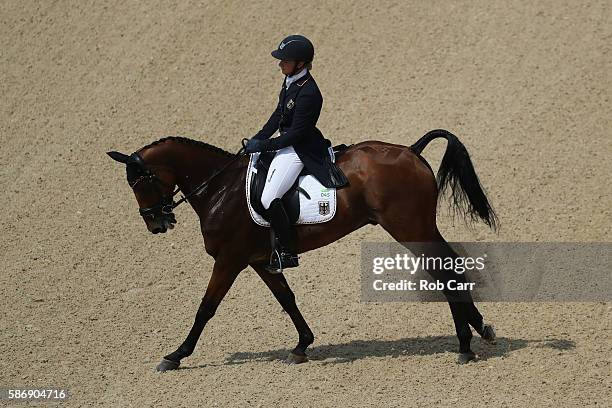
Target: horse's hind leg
column 463, row 310
column 283, row 293
column 465, row 313
column 474, row 317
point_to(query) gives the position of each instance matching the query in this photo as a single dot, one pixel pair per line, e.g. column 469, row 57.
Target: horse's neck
column 190, row 164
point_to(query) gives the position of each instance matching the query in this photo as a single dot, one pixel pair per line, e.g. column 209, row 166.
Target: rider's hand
column 255, row 145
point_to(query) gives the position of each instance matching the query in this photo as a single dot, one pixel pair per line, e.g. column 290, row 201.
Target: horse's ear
column 120, row 157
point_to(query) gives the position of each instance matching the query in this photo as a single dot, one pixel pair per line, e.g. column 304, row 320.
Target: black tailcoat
column 296, row 117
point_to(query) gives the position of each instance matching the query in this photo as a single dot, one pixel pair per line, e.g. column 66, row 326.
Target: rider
column 299, row 144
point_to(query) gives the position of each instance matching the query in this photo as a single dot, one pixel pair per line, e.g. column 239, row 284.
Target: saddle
column 291, row 199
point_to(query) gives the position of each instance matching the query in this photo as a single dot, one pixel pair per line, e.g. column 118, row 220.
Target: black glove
column 256, row 145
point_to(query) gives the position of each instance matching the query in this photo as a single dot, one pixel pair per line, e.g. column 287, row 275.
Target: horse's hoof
column 465, row 358
column 293, row 358
column 167, row 365
column 488, row 333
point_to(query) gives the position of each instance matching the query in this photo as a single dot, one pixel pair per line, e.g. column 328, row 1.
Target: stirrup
column 281, row 260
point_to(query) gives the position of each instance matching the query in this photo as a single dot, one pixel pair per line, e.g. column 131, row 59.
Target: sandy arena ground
column 90, row 300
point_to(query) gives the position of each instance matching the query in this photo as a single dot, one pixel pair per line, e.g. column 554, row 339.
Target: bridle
column 138, row 173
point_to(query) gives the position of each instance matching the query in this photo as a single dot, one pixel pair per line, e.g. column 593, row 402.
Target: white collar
column 291, row 79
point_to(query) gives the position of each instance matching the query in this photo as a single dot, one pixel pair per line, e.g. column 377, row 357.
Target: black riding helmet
column 295, row 48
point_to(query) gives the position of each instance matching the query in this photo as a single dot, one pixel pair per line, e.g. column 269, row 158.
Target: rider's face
column 287, row 67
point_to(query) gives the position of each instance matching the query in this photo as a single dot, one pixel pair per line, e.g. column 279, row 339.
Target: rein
column 204, row 184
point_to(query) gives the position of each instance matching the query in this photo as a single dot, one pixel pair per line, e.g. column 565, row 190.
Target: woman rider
column 299, row 144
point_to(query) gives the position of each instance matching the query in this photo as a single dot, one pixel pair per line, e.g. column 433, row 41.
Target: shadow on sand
column 417, row 346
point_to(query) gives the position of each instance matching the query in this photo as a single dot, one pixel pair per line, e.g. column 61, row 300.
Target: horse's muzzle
column 162, row 224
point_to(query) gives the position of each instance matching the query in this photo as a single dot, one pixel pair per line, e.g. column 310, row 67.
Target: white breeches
column 284, row 169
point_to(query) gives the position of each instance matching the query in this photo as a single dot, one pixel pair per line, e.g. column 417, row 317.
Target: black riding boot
column 284, row 254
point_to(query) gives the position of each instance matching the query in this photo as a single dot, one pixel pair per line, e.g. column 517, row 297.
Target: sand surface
column 90, row 301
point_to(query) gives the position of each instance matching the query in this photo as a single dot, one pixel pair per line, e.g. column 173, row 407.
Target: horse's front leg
column 223, row 276
column 283, row 293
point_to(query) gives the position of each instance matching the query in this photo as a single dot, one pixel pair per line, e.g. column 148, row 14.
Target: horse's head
column 153, row 186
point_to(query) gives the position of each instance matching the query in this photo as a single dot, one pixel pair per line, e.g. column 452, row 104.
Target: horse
column 390, row 185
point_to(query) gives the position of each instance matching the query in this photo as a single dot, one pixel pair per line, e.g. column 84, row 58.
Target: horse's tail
column 457, row 170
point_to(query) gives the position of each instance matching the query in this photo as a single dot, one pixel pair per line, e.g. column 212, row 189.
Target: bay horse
column 389, row 185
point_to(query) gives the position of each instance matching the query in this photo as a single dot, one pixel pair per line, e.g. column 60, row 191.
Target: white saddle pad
column 321, row 207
